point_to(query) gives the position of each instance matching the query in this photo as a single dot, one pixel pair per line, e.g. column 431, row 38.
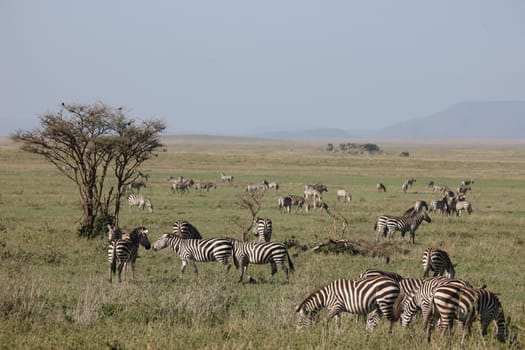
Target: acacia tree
column 84, row 142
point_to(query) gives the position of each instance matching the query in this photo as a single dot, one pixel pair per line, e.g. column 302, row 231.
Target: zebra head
column 305, row 317
column 141, row 234
column 162, row 242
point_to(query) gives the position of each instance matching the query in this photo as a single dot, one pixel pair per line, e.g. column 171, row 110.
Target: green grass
column 55, row 291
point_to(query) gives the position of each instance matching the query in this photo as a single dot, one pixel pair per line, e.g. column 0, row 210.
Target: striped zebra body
column 380, row 187
column 185, row 230
column 227, row 178
column 285, row 204
column 380, row 226
column 422, row 299
column 140, row 201
column 439, row 204
column 273, row 253
column 360, row 296
column 464, row 304
column 437, row 260
column 463, row 206
column 262, row 228
column 123, row 249
column 409, row 222
column 197, row 250
column 404, row 187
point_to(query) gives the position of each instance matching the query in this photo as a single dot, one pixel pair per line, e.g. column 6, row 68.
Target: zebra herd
column 186, row 241
column 442, row 300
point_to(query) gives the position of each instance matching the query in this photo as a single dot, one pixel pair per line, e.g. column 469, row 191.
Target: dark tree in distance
column 84, row 142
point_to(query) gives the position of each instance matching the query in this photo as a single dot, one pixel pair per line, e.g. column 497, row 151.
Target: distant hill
column 503, row 119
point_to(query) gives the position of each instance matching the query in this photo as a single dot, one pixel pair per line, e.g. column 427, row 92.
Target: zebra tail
column 290, row 263
column 397, row 307
column 113, row 265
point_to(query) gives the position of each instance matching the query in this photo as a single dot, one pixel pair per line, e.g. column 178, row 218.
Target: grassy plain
column 54, row 285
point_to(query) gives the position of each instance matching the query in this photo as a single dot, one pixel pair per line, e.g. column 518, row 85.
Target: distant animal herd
column 441, row 298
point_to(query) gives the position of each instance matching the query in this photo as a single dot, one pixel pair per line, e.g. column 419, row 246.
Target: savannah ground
column 55, row 291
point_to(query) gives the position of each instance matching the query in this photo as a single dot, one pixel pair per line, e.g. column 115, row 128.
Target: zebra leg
column 274, row 269
column 120, row 268
column 285, row 270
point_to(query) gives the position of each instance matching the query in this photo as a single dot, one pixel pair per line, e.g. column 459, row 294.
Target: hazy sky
column 231, row 67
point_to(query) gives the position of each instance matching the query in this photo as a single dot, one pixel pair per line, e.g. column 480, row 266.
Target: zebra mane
column 410, row 211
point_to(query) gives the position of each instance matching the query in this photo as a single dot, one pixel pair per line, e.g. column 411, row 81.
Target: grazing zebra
column 464, row 304
column 380, row 187
column 273, row 185
column 136, row 186
column 285, row 203
column 204, row 186
column 463, row 205
column 227, row 178
column 318, row 187
column 437, row 260
column 197, row 250
column 422, row 299
column 273, row 253
column 185, row 230
column 312, row 194
column 408, row 222
column 141, row 201
column 360, row 296
column 344, row 195
column 410, row 182
column 262, row 227
column 123, row 249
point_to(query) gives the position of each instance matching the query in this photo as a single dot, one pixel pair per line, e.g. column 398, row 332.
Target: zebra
column 312, row 194
column 465, row 303
column 439, row 204
column 344, row 195
column 404, row 187
column 463, row 205
column 318, row 187
column 123, row 249
column 137, row 186
column 299, row 201
column 273, row 185
column 141, row 201
column 410, row 182
column 467, row 182
column 285, row 203
column 262, row 227
column 422, row 299
column 185, row 230
column 197, row 250
column 408, row 222
column 204, row 186
column 464, row 189
column 380, row 226
column 256, row 187
column 437, row 260
column 227, row 178
column 274, row 253
column 380, row 187
column 359, row 296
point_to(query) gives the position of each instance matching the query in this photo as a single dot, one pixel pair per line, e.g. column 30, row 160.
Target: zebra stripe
column 422, row 299
column 380, row 226
column 464, row 304
column 409, row 222
column 262, row 227
column 139, row 200
column 463, row 205
column 437, row 260
column 185, row 230
column 123, row 249
column 197, row 250
column 273, row 253
column 359, row 296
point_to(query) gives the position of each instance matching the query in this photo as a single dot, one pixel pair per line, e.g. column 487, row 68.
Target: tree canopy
column 89, row 142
